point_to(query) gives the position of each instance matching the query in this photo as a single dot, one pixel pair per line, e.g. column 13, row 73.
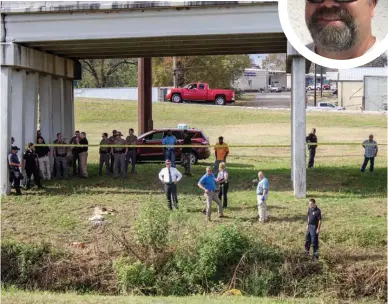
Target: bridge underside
column 263, row 43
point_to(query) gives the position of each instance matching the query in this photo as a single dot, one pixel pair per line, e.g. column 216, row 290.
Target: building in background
column 256, row 79
column 363, row 88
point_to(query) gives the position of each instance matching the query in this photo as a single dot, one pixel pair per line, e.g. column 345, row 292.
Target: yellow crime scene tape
column 201, row 146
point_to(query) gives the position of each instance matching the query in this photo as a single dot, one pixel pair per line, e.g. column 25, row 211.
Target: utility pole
column 315, row 84
column 321, row 82
column 175, row 72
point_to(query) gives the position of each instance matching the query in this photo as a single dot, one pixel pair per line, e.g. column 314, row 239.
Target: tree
column 218, row 71
column 274, row 62
column 102, row 73
column 379, row 62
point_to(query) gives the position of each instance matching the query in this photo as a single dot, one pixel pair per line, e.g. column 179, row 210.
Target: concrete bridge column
column 18, row 111
column 31, row 107
column 45, row 108
column 296, row 64
column 145, row 122
column 5, row 138
column 58, row 96
column 68, row 108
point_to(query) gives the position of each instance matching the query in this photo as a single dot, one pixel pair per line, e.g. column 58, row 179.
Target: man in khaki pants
column 83, row 155
column 208, row 184
column 262, row 197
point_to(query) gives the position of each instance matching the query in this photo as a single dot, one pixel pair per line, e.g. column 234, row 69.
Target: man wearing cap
column 221, row 151
column 60, row 157
column 169, row 151
column 112, row 155
column 131, row 154
column 170, row 176
column 371, row 150
column 14, row 166
column 31, row 165
column 119, row 153
column 208, row 184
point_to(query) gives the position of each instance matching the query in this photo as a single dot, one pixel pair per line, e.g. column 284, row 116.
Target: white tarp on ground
column 113, row 93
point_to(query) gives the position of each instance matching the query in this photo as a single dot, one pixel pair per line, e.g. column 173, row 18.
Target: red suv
column 155, row 137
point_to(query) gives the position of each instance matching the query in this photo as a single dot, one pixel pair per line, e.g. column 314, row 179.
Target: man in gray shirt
column 371, row 150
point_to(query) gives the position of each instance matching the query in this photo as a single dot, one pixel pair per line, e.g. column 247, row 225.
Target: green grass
column 354, row 228
column 17, row 297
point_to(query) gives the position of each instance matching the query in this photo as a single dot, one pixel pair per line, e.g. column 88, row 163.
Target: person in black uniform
column 14, row 166
column 30, row 159
column 314, row 221
column 312, row 138
column 186, row 153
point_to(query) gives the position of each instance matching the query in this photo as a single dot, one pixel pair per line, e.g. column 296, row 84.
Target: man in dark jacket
column 14, row 167
column 312, row 138
column 75, row 151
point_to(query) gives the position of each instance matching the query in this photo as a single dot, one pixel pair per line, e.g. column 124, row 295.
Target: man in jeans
column 262, row 197
column 169, row 152
column 170, row 176
column 371, row 150
column 222, row 151
column 208, row 184
column 314, row 220
column 60, row 158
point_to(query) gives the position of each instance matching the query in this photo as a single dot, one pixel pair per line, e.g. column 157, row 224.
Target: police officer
column 119, row 153
column 31, row 165
column 314, row 220
column 312, row 138
column 14, row 166
column 60, row 158
column 112, row 156
column 104, row 154
column 131, row 154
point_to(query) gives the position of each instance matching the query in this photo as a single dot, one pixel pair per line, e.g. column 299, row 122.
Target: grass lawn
column 354, row 229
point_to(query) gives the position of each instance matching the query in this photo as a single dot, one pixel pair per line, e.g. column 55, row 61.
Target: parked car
column 200, row 92
column 329, row 106
column 155, row 137
column 311, row 87
column 275, row 89
column 326, row 87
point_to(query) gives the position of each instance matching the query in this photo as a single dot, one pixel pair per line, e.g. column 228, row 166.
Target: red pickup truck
column 200, row 92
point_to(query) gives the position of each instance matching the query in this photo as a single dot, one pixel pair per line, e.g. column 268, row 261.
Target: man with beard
column 341, row 29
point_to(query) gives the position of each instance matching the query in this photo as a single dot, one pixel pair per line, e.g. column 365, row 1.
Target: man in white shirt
column 169, row 176
column 340, row 30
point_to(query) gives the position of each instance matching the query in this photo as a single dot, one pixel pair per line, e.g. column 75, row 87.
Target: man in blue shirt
column 314, row 220
column 262, row 197
column 169, row 152
column 208, row 184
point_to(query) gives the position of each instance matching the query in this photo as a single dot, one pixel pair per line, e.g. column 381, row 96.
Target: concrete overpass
column 41, row 43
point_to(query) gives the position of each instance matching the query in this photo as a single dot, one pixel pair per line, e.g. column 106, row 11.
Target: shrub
column 132, row 276
column 152, row 226
column 21, row 263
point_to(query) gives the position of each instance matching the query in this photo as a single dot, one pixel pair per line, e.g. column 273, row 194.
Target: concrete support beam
column 5, row 123
column 45, row 108
column 18, row 112
column 31, row 107
column 298, row 153
column 68, row 108
column 58, row 96
column 145, row 122
column 21, row 57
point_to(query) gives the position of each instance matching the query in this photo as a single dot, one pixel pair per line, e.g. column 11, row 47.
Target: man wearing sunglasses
column 341, row 29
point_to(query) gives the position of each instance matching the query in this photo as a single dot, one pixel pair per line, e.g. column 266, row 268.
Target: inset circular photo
column 338, row 34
